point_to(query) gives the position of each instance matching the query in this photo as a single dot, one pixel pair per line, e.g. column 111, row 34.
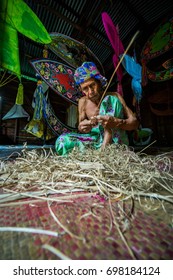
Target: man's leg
column 111, row 106
column 66, row 142
column 107, row 138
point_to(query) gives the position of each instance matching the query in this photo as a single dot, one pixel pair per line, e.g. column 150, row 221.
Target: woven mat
column 149, row 234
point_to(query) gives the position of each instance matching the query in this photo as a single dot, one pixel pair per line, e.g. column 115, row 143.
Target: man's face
column 92, row 89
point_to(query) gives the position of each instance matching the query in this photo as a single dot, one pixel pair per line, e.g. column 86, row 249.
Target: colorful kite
column 72, row 51
column 160, row 42
column 45, row 115
column 59, row 77
column 16, row 16
column 129, row 63
column 134, row 69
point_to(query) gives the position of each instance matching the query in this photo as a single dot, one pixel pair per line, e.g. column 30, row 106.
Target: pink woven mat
column 149, row 235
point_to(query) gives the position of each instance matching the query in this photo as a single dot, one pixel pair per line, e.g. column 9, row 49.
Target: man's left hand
column 109, row 121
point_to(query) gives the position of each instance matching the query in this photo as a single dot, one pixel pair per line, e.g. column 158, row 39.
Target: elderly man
column 98, row 125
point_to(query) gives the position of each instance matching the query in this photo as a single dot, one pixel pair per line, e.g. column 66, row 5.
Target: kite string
column 2, row 76
column 6, row 81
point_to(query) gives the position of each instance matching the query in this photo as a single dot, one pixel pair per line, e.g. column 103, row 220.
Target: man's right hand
column 85, row 126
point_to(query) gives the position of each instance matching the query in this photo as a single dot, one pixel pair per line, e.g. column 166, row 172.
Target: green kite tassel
column 19, row 97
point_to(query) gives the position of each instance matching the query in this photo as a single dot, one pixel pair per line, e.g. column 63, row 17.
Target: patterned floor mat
column 149, row 234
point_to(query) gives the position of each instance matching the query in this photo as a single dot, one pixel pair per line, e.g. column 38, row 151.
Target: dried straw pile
column 115, row 172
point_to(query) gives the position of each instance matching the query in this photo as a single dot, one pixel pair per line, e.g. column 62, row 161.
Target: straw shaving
column 55, row 251
column 30, row 230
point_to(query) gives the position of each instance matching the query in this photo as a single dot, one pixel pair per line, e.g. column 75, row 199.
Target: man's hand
column 108, row 121
column 94, row 121
column 85, row 126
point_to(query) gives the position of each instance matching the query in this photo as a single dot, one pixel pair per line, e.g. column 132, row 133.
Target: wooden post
column 16, row 130
column 0, row 116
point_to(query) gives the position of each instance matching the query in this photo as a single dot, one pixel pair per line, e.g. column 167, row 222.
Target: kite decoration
column 59, row 77
column 160, row 42
column 44, row 114
column 142, row 136
column 130, row 65
column 161, row 103
column 72, row 51
column 168, row 64
column 37, row 126
column 17, row 111
column 53, row 121
column 112, row 33
column 134, row 69
column 160, row 76
column 16, row 16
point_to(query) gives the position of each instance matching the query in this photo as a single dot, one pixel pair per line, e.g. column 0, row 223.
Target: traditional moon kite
column 72, row 51
column 59, row 77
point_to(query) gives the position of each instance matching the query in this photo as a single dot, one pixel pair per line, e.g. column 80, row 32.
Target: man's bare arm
column 84, row 124
column 129, row 123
